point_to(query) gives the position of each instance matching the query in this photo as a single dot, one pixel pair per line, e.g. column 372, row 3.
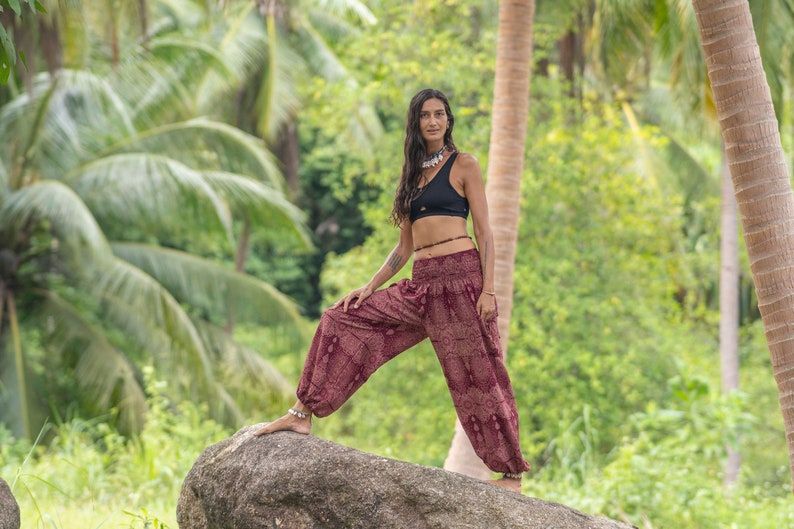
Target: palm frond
column 101, row 370
column 341, row 8
column 170, row 47
column 277, row 102
column 207, row 285
column 78, row 114
column 773, row 21
column 18, row 136
column 364, row 126
column 154, row 90
column 672, row 166
column 244, row 45
column 136, row 303
column 148, row 314
column 243, row 370
column 3, row 181
column 68, row 215
column 620, row 37
column 156, row 307
column 320, row 58
column 172, row 13
column 678, row 44
column 163, row 79
column 210, row 145
column 151, row 191
column 138, row 312
column 263, row 206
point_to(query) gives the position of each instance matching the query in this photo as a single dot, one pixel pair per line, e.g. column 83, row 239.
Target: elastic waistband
column 452, row 264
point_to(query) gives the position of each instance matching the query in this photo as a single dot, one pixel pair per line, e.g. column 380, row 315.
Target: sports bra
column 438, row 197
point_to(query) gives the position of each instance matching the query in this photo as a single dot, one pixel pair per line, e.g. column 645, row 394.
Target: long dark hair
column 415, row 152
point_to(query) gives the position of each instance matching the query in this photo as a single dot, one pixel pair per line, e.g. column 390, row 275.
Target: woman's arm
column 474, row 190
column 396, row 260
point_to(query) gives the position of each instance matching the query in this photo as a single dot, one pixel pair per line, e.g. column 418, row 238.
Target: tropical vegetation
column 163, row 259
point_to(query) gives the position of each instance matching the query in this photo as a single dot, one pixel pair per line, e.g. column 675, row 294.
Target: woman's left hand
column 486, row 306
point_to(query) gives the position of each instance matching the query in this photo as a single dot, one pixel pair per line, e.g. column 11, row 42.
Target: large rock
column 291, row 481
column 9, row 509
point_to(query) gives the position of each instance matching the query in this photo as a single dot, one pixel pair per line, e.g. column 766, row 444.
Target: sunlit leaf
column 149, row 190
column 208, row 285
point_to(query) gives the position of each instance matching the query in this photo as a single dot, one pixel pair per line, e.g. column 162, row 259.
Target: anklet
column 298, row 414
column 512, row 476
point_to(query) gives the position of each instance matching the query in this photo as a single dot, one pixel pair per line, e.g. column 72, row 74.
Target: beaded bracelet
column 512, row 476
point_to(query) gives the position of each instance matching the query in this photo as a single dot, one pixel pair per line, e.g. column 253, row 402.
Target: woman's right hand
column 359, row 294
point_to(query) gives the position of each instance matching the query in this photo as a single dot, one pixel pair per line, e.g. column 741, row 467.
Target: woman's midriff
column 428, row 232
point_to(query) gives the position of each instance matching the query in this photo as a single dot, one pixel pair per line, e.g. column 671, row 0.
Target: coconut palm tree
column 760, row 177
column 665, row 34
column 273, row 46
column 505, row 168
column 270, row 50
column 681, row 79
column 102, row 198
column 684, row 77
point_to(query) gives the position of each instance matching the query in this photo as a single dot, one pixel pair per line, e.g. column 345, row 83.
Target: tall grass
column 88, row 476
column 665, row 475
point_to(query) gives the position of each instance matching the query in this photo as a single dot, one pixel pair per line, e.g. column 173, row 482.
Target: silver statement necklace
column 434, row 159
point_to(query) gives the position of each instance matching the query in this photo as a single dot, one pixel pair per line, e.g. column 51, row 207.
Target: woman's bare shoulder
column 467, row 166
column 465, row 159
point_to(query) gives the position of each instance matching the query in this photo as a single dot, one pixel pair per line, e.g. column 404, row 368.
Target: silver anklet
column 512, row 476
column 298, row 414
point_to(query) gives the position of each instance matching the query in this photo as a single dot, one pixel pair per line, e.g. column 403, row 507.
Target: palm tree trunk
column 505, row 167
column 287, row 150
column 760, row 180
column 51, row 45
column 729, row 312
column 241, row 255
column 566, row 47
column 13, row 322
column 143, row 18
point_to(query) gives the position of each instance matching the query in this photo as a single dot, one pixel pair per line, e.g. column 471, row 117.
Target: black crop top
column 439, row 197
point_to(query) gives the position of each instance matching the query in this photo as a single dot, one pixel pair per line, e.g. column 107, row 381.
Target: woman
column 450, row 299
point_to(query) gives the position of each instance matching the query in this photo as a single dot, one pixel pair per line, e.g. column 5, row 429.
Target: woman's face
column 433, row 121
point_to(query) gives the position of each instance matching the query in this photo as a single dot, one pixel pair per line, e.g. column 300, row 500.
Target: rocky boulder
column 292, row 481
column 9, row 509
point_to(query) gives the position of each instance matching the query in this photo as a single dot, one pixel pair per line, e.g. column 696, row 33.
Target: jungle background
column 187, row 184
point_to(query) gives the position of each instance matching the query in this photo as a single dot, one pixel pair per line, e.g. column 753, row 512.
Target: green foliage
column 143, row 521
column 613, row 348
column 90, row 476
column 762, row 469
column 348, row 173
column 120, row 219
column 614, row 303
column 595, row 297
column 666, row 470
column 8, row 52
column 335, row 188
column 597, row 320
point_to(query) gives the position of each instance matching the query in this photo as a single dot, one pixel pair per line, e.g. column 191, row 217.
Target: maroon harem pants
column 439, row 303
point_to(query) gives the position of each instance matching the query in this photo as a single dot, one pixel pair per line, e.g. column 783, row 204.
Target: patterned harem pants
column 440, row 303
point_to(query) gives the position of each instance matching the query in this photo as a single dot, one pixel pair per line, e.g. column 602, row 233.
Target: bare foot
column 289, row 423
column 507, row 483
